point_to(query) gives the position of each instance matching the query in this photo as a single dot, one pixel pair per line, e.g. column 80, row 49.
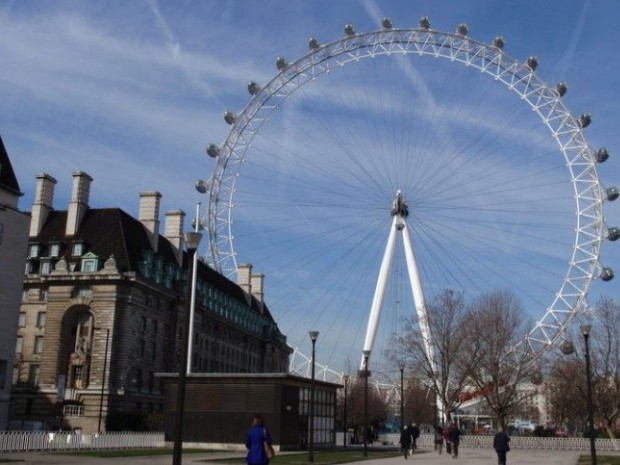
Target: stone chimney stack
column 42, row 205
column 244, row 273
column 149, row 215
column 174, row 232
column 79, row 202
column 257, row 281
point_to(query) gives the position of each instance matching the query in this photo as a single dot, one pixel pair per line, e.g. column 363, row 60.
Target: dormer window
column 33, row 250
column 78, row 249
column 55, row 250
column 90, row 263
column 46, row 267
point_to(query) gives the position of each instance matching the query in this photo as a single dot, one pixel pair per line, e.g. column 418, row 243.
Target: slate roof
column 8, row 181
column 111, row 231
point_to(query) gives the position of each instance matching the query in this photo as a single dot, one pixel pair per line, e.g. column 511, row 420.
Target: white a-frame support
column 400, row 211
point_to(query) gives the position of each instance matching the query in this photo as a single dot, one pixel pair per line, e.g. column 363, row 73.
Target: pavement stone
column 467, row 456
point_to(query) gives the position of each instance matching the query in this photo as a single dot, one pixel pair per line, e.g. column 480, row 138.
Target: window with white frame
column 54, row 250
column 41, row 319
column 78, row 249
column 21, row 322
column 38, row 344
column 19, row 345
column 33, row 250
column 46, row 267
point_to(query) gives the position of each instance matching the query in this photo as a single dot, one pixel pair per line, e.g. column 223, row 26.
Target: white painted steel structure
column 490, row 60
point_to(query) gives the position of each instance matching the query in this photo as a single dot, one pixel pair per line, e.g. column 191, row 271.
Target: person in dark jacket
column 455, row 439
column 254, row 440
column 405, row 441
column 501, row 445
column 438, row 438
column 415, row 434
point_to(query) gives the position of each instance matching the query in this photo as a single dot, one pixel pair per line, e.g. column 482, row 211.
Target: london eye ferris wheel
column 500, row 184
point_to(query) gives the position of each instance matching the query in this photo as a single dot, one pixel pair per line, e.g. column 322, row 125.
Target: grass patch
column 132, row 452
column 600, row 459
column 321, row 457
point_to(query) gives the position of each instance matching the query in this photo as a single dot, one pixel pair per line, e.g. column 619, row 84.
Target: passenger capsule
column 567, row 347
column 462, row 29
column 213, row 150
column 561, row 89
column 386, row 24
column 498, row 43
column 612, row 193
column 584, row 120
column 201, row 186
column 607, row 274
column 313, row 44
column 349, row 30
column 536, row 377
column 425, row 22
column 281, row 63
column 253, row 88
column 613, row 234
column 602, row 155
column 229, row 117
column 532, row 63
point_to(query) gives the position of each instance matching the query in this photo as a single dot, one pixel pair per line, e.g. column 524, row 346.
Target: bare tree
column 606, row 362
column 496, row 326
column 447, row 372
column 566, row 392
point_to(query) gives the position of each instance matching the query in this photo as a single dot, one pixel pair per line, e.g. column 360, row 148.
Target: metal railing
column 25, row 441
column 516, row 442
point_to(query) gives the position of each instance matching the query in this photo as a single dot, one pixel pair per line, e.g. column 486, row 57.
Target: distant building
column 102, row 312
column 13, row 241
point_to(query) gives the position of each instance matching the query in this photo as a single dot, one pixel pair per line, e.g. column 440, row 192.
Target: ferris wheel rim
column 487, row 58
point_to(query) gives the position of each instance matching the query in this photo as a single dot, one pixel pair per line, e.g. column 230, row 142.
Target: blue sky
column 131, row 92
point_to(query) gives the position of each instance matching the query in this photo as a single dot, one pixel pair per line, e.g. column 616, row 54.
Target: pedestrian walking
column 405, row 441
column 415, row 434
column 501, row 444
column 438, row 438
column 455, row 439
column 446, row 438
column 258, row 443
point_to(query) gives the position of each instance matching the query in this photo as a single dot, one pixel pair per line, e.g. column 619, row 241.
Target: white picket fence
column 24, row 441
column 516, row 442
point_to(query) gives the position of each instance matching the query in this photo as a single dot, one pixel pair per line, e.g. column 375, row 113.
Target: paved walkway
column 466, row 457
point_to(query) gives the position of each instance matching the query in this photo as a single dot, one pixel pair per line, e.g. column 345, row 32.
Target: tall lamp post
column 345, row 378
column 314, row 335
column 365, row 373
column 585, row 330
column 192, row 240
column 401, row 365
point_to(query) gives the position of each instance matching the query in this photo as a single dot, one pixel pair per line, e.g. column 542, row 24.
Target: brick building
column 102, row 311
column 13, row 242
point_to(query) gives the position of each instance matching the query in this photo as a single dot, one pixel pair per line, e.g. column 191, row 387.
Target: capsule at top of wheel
column 313, row 44
column 499, row 43
column 561, row 88
column 584, row 120
column 532, row 63
column 386, row 23
column 349, row 30
column 613, row 234
column 462, row 29
column 425, row 22
column 607, row 274
column 612, row 193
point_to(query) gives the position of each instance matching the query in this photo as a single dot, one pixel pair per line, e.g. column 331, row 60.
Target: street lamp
column 401, row 365
column 314, row 335
column 585, row 330
column 192, row 240
column 365, row 373
column 344, row 427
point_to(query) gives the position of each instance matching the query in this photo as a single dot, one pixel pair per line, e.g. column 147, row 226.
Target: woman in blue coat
column 257, row 435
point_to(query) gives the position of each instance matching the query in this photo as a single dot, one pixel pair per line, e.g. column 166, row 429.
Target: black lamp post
column 585, row 330
column 314, row 335
column 345, row 378
column 192, row 240
column 401, row 365
column 365, row 373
